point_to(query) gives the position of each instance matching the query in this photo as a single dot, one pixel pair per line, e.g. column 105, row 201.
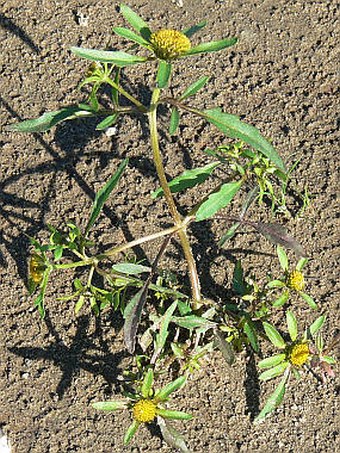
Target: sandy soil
column 281, row 77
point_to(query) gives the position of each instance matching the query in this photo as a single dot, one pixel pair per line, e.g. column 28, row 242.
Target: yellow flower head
column 169, row 44
column 144, row 411
column 296, row 281
column 299, row 354
column 36, row 269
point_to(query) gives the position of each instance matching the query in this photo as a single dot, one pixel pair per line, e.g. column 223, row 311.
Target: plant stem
column 128, row 96
column 194, row 280
column 74, row 264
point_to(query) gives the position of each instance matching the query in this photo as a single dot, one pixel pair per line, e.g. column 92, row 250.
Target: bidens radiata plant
column 181, row 326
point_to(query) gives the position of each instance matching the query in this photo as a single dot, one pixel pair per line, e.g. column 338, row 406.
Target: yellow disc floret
column 36, row 268
column 144, row 411
column 169, row 44
column 299, row 354
column 296, row 281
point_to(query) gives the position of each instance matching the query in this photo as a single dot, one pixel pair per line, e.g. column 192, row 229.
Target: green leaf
column 283, row 259
column 147, row 383
column 233, row 127
column 280, row 301
column 58, row 252
column 273, row 335
column 218, row 200
column 276, row 284
column 39, row 304
column 212, row 46
column 250, row 332
column 103, row 195
column 239, row 285
column 163, row 331
column 163, row 74
column 272, row 361
column 109, row 405
column 128, row 34
column 163, row 394
column 171, row 436
column 310, row 301
column 301, row 263
column 132, row 315
column 135, row 21
column 194, row 87
column 48, row 120
column 225, row 347
column 273, row 372
column 192, row 322
column 229, row 234
column 173, row 415
column 188, row 179
column 118, row 58
column 195, row 28
column 79, row 304
column 316, row 326
column 130, row 268
column 292, row 325
column 174, row 120
column 131, row 431
column 273, row 401
column 107, row 122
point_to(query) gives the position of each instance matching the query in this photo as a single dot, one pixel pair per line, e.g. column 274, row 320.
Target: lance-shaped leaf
column 109, row 405
column 194, row 29
column 164, row 73
column 274, row 400
column 107, row 122
column 250, row 332
column 192, row 322
column 173, row 415
column 273, row 335
column 283, row 258
column 131, row 431
column 292, row 325
column 314, row 328
column 281, row 300
column 174, row 120
column 118, row 58
column 278, row 235
column 272, row 361
column 132, row 36
column 132, row 315
column 130, row 268
column 212, row 46
column 218, row 200
column 229, row 234
column 163, row 394
column 310, row 301
column 233, row 127
column 147, row 383
column 48, row 120
column 273, row 372
column 163, row 331
column 104, row 193
column 194, row 87
column 135, row 21
column 225, row 347
column 188, row 179
column 171, row 436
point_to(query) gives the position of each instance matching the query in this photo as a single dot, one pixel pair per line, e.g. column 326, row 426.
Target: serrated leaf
column 173, row 415
column 283, row 258
column 195, row 28
column 233, row 127
column 229, row 234
column 188, row 179
column 128, row 34
column 107, row 122
column 147, row 383
column 194, row 87
column 174, row 120
column 250, row 332
column 171, row 436
column 130, row 268
column 212, row 46
column 135, row 21
column 192, row 322
column 273, row 335
column 278, row 235
column 103, row 195
column 163, row 73
column 272, row 361
column 118, row 58
column 273, row 401
column 47, row 120
column 163, row 394
column 109, row 405
column 131, row 431
column 225, row 347
column 310, row 301
column 292, row 325
column 280, row 301
column 218, row 200
column 273, row 372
